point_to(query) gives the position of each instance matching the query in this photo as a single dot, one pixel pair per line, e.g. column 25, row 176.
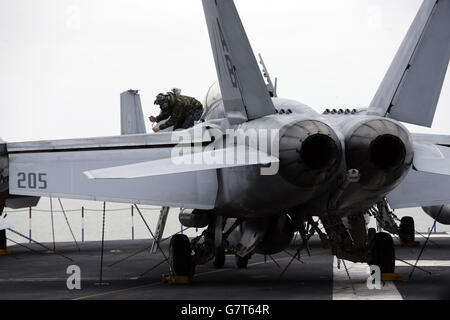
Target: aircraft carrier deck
column 41, row 274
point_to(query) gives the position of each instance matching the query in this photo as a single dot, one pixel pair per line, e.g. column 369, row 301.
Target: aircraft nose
column 310, row 153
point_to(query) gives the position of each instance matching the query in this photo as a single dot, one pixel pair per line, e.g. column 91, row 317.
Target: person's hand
column 156, row 129
column 152, row 119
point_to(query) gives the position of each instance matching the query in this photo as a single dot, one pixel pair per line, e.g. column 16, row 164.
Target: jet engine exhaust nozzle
column 387, row 152
column 310, row 153
column 381, row 150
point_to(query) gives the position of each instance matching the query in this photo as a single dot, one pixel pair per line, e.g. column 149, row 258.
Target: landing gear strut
column 387, row 220
column 219, row 257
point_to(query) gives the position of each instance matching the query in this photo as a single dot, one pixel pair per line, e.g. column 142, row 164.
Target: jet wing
column 129, row 169
column 55, row 169
column 245, row 95
column 411, row 88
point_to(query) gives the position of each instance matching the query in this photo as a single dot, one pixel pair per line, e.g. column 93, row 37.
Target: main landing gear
column 180, row 258
column 381, row 251
column 387, row 220
column 407, row 231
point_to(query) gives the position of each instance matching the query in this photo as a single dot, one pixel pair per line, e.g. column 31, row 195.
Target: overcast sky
column 64, row 63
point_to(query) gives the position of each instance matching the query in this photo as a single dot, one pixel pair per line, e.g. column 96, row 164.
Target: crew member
column 182, row 111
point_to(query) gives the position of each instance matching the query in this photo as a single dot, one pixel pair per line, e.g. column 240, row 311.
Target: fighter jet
column 258, row 168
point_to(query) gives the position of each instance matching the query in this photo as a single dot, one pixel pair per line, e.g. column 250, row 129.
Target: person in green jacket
column 182, row 111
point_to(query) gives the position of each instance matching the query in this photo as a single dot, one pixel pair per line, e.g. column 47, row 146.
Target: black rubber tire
column 382, row 252
column 242, row 263
column 2, row 239
column 407, row 230
column 371, row 234
column 180, row 255
column 219, row 258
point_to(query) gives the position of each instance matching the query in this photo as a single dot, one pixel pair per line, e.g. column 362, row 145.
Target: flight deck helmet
column 161, row 99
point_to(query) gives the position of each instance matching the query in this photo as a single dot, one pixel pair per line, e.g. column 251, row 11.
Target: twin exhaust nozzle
column 311, row 153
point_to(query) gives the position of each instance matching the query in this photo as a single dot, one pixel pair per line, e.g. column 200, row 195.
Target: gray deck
column 31, row 275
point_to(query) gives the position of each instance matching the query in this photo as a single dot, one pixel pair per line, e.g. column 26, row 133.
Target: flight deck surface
column 40, row 274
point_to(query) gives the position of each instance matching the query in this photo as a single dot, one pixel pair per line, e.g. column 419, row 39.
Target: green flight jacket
column 179, row 108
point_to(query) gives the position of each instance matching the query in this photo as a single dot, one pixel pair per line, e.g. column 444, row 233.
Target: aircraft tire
column 180, row 255
column 407, row 230
column 219, row 258
column 382, row 253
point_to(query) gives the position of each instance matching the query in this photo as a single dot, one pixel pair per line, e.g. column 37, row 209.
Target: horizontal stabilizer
column 442, row 140
column 194, row 162
column 421, row 189
column 431, row 158
column 428, row 182
column 412, row 86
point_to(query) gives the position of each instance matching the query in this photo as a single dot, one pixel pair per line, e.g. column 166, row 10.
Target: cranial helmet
column 161, row 99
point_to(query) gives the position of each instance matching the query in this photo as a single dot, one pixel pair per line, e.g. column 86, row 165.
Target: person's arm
column 163, row 115
column 177, row 114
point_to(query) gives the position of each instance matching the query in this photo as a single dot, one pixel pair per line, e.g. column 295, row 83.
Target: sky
column 64, row 63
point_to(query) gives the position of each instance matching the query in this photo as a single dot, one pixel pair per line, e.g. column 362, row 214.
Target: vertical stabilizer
column 131, row 115
column 244, row 93
column 411, row 88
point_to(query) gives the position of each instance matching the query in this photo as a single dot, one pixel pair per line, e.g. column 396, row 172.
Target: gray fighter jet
column 259, row 168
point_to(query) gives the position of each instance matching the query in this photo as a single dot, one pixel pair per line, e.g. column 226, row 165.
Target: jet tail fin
column 244, row 92
column 411, row 88
column 131, row 115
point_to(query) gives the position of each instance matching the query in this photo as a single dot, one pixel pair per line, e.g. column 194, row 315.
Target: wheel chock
column 391, row 277
column 413, row 244
column 5, row 252
column 170, row 279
